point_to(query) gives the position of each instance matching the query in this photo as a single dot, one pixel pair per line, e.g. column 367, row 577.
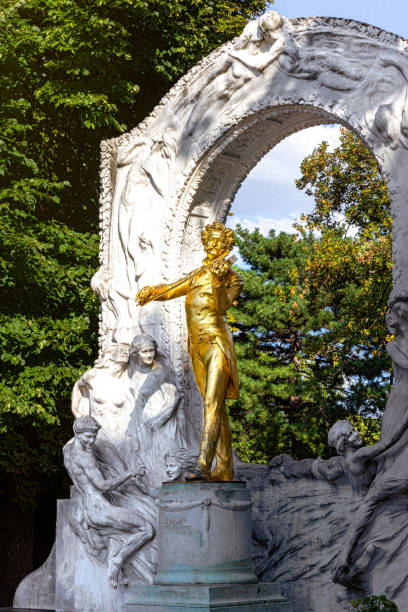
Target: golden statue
column 210, row 291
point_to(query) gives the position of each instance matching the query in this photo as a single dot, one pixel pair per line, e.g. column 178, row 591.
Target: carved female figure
column 154, row 421
column 178, row 462
column 260, row 44
column 392, row 478
column 146, row 183
column 102, row 391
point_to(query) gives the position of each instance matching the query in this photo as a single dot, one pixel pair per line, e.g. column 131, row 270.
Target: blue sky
column 391, row 15
column 268, row 197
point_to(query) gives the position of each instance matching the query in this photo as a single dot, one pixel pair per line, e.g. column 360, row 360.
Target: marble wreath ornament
column 210, row 290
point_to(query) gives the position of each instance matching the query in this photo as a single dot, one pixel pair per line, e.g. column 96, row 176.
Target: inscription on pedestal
column 177, row 525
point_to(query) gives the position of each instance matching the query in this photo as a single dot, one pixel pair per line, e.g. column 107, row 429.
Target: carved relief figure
column 328, row 66
column 103, row 393
column 99, row 517
column 155, row 420
column 389, row 121
column 178, row 462
column 118, row 299
column 354, row 461
column 392, row 478
column 260, row 44
column 150, row 162
column 268, row 40
column 209, row 292
column 397, row 323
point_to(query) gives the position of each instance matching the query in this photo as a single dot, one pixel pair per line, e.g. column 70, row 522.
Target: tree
column 310, row 327
column 74, row 73
column 352, row 263
column 376, row 603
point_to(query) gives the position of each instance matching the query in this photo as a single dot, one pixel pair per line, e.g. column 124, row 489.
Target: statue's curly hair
column 338, row 434
column 185, row 457
column 228, row 234
column 86, row 423
column 138, row 342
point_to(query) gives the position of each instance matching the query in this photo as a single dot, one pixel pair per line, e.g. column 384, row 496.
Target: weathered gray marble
column 204, row 534
column 37, row 590
column 204, row 553
column 200, row 598
column 335, row 529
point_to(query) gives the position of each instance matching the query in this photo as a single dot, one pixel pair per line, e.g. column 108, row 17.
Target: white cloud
column 264, row 224
column 282, row 163
column 284, row 224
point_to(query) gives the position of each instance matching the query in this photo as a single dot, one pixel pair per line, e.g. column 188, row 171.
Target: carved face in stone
column 397, row 317
column 86, row 438
column 120, row 354
column 343, row 435
column 145, row 355
column 269, row 23
column 173, row 468
column 143, row 351
column 352, row 438
column 214, row 245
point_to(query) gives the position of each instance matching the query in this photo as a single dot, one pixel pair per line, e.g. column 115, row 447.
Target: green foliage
column 310, row 327
column 73, row 72
column 374, row 604
column 278, row 410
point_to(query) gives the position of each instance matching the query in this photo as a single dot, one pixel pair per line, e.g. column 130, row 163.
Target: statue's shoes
column 221, row 476
column 195, row 475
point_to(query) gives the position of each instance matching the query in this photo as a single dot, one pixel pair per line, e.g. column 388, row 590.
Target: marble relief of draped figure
column 149, row 162
column 156, row 422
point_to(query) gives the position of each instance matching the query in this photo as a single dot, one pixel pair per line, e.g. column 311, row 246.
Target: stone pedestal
column 203, row 598
column 204, row 534
column 205, row 554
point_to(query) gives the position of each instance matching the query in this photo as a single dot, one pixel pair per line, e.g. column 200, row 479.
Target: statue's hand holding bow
column 221, row 268
column 144, row 295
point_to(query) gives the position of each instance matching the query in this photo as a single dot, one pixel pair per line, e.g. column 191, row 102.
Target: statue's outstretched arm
column 171, row 398
column 373, row 450
column 330, row 469
column 107, row 484
column 162, row 293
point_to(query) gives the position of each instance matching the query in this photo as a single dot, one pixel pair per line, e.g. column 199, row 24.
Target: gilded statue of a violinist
column 210, row 291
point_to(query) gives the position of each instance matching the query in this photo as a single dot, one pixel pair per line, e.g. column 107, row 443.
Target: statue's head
column 342, row 435
column 397, row 314
column 217, row 239
column 143, row 350
column 177, row 460
column 119, row 353
column 269, row 22
column 86, row 429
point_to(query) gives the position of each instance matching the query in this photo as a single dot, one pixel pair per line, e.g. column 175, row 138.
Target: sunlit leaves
column 310, row 327
column 73, row 72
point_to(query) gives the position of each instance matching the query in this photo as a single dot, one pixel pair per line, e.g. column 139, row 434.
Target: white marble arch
column 186, row 161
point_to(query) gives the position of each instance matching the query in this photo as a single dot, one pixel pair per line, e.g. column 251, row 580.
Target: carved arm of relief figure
column 167, row 401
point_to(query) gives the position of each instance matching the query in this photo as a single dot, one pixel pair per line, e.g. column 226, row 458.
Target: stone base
column 264, row 597
column 204, row 534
